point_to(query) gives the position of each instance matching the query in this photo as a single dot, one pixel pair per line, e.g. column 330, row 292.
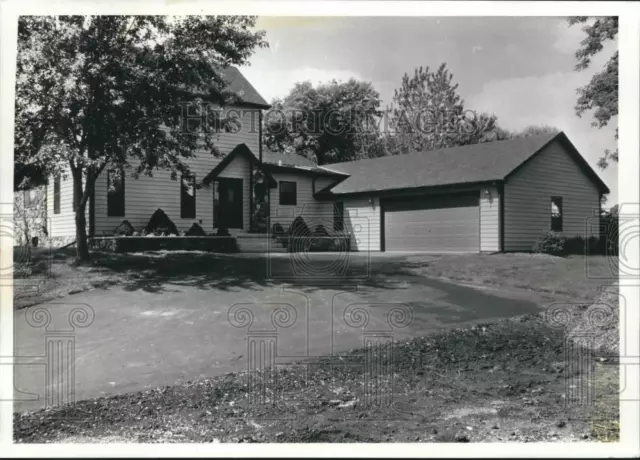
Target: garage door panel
column 434, row 224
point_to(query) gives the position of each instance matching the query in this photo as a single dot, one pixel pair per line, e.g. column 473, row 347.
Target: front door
column 227, row 210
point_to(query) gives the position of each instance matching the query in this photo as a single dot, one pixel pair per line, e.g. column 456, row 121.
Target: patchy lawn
column 46, row 274
column 506, row 381
column 579, row 277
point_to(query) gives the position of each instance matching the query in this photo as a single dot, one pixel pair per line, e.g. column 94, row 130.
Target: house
column 498, row 196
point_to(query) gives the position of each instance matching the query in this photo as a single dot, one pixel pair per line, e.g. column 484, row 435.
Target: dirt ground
column 512, row 380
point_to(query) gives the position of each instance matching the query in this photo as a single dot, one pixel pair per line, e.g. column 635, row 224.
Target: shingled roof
column 241, row 86
column 491, row 161
column 287, row 159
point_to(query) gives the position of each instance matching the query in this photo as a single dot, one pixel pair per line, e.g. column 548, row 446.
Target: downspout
column 501, row 214
column 92, row 212
column 260, row 136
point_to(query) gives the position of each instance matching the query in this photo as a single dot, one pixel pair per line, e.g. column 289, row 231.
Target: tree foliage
column 96, row 92
column 428, row 113
column 534, row 130
column 600, row 95
column 328, row 123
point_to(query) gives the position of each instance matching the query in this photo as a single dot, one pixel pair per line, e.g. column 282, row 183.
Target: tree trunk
column 82, row 245
column 79, row 206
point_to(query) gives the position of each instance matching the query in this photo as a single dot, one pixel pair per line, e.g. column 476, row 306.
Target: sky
column 520, row 69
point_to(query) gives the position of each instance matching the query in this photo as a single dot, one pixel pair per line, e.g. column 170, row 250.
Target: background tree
column 601, row 93
column 96, row 92
column 428, row 113
column 534, row 130
column 333, row 122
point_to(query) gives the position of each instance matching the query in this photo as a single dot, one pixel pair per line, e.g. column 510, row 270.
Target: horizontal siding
column 489, row 219
column 362, row 219
column 527, row 199
column 63, row 224
column 314, row 212
column 146, row 194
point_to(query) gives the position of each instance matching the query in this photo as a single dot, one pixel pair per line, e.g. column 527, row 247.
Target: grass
column 43, row 275
column 578, row 277
column 501, row 382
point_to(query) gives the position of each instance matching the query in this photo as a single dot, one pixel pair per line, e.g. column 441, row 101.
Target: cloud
column 476, row 48
column 549, row 100
column 568, row 38
column 278, row 82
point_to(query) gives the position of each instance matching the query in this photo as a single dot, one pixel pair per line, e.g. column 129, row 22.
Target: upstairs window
column 556, row 213
column 115, row 193
column 188, row 197
column 56, row 195
column 288, row 195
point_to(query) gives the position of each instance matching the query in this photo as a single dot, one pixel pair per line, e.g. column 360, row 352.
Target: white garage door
column 439, row 224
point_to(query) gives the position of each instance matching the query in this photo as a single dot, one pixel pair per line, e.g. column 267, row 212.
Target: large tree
column 96, row 92
column 601, row 93
column 428, row 113
column 328, row 123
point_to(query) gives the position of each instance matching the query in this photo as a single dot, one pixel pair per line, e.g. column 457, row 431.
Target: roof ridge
column 422, row 152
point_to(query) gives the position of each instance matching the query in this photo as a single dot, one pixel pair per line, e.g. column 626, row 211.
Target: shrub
column 277, row 230
column 195, row 230
column 299, row 227
column 222, row 232
column 124, row 229
column 550, row 243
column 320, row 231
column 160, row 224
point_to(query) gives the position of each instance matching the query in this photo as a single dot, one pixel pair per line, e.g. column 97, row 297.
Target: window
column 188, row 197
column 556, row 213
column 56, row 195
column 115, row 193
column 338, row 216
column 288, row 193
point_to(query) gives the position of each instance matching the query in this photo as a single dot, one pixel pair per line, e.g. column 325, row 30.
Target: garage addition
column 440, row 223
column 490, row 197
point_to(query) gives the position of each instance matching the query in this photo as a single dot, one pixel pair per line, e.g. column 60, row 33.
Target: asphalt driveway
column 171, row 327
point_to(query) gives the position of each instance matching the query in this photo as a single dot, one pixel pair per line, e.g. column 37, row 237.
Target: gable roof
column 238, row 150
column 241, row 86
column 490, row 161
